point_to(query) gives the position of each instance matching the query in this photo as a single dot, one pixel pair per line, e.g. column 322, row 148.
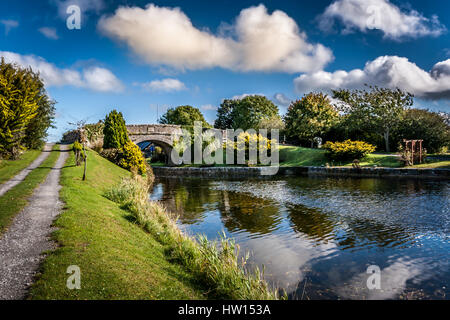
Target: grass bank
column 9, row 168
column 13, row 201
column 119, row 256
column 297, row 156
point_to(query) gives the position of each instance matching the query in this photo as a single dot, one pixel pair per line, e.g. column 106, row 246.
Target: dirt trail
column 28, row 236
column 11, row 183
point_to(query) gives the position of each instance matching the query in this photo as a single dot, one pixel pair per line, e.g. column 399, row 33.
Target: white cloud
column 242, row 96
column 382, row 15
column 257, row 41
column 93, row 78
column 164, row 85
column 49, row 33
column 281, row 99
column 207, row 107
column 101, row 79
column 9, row 24
column 385, row 71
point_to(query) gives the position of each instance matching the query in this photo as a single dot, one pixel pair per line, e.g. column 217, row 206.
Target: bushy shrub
column 132, row 157
column 348, row 150
column 252, row 142
column 77, row 150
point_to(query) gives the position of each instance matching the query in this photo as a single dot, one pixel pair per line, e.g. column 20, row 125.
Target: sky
column 142, row 57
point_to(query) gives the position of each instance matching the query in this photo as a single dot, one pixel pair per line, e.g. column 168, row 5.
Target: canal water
column 319, row 237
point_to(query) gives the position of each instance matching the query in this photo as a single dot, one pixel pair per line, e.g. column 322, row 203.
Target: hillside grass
column 117, row 258
column 13, row 201
column 9, row 168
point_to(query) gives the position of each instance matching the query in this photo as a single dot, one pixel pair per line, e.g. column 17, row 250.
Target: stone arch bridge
column 162, row 135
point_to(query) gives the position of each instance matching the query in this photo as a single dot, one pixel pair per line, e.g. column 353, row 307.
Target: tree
column 246, row 113
column 36, row 132
column 183, row 116
column 224, row 118
column 251, row 110
column 378, row 110
column 311, row 116
column 429, row 126
column 115, row 131
column 21, row 91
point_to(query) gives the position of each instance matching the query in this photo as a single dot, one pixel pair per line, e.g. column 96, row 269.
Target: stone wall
column 243, row 172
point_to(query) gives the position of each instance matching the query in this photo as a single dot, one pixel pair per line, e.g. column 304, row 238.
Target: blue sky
column 148, row 56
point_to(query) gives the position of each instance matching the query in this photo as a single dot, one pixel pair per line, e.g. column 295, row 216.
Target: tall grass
column 215, row 265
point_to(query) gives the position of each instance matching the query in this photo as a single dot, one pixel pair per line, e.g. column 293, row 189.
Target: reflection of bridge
column 160, row 134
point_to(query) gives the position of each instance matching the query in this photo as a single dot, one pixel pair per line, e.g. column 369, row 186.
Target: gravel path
column 11, row 183
column 22, row 245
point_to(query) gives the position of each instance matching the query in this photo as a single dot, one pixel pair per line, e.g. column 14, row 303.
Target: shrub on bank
column 348, row 150
column 216, row 266
column 132, row 158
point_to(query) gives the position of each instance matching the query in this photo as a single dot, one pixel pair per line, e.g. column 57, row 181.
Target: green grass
column 9, row 168
column 217, row 267
column 292, row 156
column 117, row 258
column 13, row 201
column 434, row 165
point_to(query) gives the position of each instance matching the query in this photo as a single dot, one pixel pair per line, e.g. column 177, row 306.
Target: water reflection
column 317, row 236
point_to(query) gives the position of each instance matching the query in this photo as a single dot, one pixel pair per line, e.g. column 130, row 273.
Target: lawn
column 292, row 156
column 13, row 201
column 9, row 168
column 117, row 258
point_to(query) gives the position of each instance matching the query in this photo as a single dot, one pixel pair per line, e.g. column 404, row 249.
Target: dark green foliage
column 426, row 125
column 224, row 118
column 115, row 131
column 246, row 113
column 183, row 116
column 310, row 117
column 376, row 110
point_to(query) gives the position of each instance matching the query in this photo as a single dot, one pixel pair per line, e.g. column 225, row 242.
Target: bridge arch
column 158, row 134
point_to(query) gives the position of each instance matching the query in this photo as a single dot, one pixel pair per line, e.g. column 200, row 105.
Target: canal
column 317, row 237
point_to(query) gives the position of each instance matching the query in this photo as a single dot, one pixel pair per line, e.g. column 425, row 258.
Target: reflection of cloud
column 393, row 281
column 284, row 260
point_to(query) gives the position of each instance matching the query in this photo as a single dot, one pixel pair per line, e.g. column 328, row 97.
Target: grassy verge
column 13, row 201
column 9, row 168
column 217, row 269
column 118, row 258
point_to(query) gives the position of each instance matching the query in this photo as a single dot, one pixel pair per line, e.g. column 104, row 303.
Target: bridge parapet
column 164, row 129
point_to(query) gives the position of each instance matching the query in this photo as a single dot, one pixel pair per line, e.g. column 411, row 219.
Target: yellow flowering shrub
column 348, row 150
column 132, row 158
column 252, row 141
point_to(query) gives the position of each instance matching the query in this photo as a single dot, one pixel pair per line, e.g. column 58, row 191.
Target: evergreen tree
column 115, row 131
